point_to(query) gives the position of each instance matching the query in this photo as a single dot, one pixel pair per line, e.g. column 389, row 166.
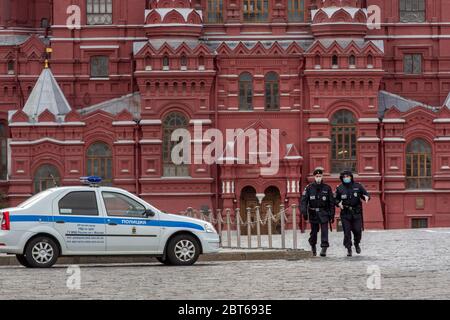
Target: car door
column 77, row 218
column 128, row 229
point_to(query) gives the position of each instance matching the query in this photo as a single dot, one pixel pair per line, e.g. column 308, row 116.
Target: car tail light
column 5, row 225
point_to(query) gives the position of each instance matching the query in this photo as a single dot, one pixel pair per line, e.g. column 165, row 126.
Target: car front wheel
column 183, row 250
column 41, row 252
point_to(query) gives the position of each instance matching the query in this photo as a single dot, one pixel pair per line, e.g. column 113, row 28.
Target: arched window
column 172, row 122
column 412, row 10
column 99, row 162
column 201, row 63
column 335, row 61
column 183, row 61
column 317, row 62
column 418, row 165
column 215, row 11
column 11, row 67
column 296, row 10
column 99, row 11
column 3, row 153
column 46, row 177
column 165, row 62
column 369, row 61
column 352, row 60
column 148, row 63
column 245, row 91
column 343, row 141
column 272, row 91
column 255, row 10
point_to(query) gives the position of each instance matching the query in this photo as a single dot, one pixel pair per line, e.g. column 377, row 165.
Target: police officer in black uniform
column 318, row 207
column 348, row 197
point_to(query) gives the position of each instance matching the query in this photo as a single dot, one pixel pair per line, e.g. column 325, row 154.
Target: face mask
column 318, row 180
column 347, row 180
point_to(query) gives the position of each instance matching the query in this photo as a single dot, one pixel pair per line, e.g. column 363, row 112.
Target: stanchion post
column 228, row 228
column 219, row 225
column 269, row 225
column 249, row 228
column 258, row 226
column 283, row 227
column 294, row 225
column 238, row 227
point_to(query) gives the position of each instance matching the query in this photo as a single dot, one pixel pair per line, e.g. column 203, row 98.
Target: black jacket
column 317, row 203
column 351, row 195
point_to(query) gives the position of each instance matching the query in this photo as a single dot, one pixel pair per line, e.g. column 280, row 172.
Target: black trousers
column 351, row 224
column 315, row 227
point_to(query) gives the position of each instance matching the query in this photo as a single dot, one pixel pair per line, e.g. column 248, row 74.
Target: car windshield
column 37, row 197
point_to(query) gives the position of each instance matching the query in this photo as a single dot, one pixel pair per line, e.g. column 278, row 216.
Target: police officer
column 318, row 207
column 348, row 197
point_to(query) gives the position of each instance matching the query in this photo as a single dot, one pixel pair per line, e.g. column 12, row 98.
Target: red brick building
column 342, row 92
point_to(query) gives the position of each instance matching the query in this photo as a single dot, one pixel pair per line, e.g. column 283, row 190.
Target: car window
column 119, row 205
column 79, row 203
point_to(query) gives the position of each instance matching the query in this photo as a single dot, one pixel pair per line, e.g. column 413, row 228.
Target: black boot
column 323, row 253
column 358, row 248
column 349, row 252
column 314, row 250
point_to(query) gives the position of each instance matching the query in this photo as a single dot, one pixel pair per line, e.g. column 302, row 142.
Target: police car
column 94, row 220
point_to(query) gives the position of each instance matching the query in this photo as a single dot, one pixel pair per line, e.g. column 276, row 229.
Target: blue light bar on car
column 93, row 180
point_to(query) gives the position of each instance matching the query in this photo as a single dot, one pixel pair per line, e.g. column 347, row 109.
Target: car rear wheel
column 183, row 250
column 41, row 252
column 22, row 260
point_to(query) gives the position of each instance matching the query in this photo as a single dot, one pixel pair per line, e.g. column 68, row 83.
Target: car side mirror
column 149, row 213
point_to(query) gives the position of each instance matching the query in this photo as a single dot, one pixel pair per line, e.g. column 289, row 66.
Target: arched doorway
column 249, row 200
column 272, row 199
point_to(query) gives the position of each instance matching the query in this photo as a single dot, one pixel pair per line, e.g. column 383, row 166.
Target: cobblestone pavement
column 413, row 264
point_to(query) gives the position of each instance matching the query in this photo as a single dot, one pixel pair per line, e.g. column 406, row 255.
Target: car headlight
column 209, row 228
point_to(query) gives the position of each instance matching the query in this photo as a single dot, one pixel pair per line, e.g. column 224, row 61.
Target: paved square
column 413, row 264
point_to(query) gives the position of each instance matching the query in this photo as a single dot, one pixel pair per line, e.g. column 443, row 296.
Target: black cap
column 318, row 170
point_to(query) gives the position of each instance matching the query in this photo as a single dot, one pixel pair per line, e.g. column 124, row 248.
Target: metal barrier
column 231, row 227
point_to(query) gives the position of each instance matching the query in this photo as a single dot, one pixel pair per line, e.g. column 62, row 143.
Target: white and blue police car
column 96, row 220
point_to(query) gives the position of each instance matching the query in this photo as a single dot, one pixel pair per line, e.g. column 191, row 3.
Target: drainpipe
column 136, row 157
column 302, row 119
column 383, row 169
column 302, row 135
column 216, row 122
column 136, row 132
